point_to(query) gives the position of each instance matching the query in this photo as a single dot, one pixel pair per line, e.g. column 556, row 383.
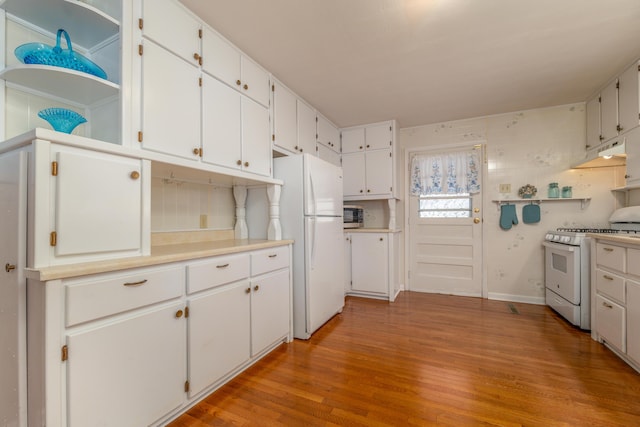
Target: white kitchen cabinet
column 170, row 110
column 306, row 127
column 593, row 123
column 609, row 111
column 629, row 98
column 368, row 161
column 235, row 129
column 368, row 174
column 371, row 264
column 181, row 37
column 633, row 320
column 223, row 61
column 219, row 327
column 96, row 26
column 632, row 149
column 285, row 129
column 328, row 155
column 327, row 134
column 113, row 370
column 270, row 310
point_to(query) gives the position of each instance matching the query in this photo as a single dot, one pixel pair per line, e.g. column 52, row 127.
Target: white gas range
column 567, row 271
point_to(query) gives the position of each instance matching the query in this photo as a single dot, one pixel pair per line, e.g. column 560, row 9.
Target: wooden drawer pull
column 222, row 265
column 141, row 282
column 607, row 277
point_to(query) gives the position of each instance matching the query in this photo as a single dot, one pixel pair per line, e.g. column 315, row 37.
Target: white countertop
column 618, row 238
column 371, row 230
column 159, row 255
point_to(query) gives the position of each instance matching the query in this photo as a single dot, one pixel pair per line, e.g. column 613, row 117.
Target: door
column 353, row 168
column 445, row 242
column 13, row 205
column 256, row 144
column 325, row 272
column 379, row 167
column 306, row 127
column 322, row 187
column 378, row 136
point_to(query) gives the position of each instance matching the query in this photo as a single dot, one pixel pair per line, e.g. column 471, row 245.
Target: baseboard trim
column 516, row 298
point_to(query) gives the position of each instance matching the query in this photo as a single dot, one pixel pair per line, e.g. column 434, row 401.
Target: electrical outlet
column 203, row 221
column 505, row 188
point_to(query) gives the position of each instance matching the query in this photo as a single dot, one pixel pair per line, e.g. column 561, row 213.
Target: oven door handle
column 560, row 246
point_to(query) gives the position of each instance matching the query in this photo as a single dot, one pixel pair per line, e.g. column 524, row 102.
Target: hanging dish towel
column 531, row 213
column 508, row 216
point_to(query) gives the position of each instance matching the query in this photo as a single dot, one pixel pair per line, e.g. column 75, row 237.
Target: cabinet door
column 256, row 146
column 353, row 140
column 218, row 334
column 219, row 58
column 221, row 126
column 170, row 109
column 370, row 263
column 379, row 165
column 255, row 81
column 285, row 132
column 353, row 172
column 610, row 321
column 628, row 99
column 130, row 372
column 632, row 148
column 378, row 136
column 593, row 123
column 270, row 310
column 633, row 320
column 347, row 262
column 609, row 111
column 306, row 127
column 328, row 134
column 328, row 155
column 98, row 203
column 172, row 26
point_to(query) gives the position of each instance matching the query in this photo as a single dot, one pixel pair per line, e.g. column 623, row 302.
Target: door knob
column 476, row 210
column 476, row 220
column 9, row 267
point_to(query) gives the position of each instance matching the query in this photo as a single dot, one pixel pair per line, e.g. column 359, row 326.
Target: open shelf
column 65, row 83
column 583, row 200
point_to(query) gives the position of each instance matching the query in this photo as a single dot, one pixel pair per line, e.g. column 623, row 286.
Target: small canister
column 567, row 193
column 554, row 191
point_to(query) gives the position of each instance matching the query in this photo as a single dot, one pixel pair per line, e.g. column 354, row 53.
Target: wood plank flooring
column 432, row 360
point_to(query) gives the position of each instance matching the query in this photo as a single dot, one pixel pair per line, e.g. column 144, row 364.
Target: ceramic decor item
column 554, row 190
column 527, row 191
column 61, row 119
column 40, row 53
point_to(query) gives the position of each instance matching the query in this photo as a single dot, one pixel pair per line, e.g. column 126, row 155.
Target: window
column 445, row 206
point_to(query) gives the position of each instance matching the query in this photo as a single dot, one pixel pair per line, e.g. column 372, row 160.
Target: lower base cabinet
column 137, row 347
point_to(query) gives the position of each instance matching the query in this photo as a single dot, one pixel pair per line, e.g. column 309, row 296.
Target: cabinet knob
column 247, row 291
column 238, row 82
column 368, row 146
column 256, row 288
column 381, row 239
column 296, row 147
column 245, row 87
column 135, row 175
column 361, row 191
column 196, row 151
column 361, row 147
column 239, row 162
column 301, row 150
column 179, row 313
column 627, row 176
column 368, row 191
column 246, row 164
column 9, row 267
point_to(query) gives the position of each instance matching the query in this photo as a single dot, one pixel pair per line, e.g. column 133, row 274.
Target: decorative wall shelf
column 583, row 201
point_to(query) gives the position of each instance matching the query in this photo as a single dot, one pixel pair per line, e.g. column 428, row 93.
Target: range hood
column 607, row 155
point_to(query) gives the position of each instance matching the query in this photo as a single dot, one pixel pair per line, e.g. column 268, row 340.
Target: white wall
column 528, row 147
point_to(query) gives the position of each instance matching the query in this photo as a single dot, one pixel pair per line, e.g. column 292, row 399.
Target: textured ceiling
column 428, row 61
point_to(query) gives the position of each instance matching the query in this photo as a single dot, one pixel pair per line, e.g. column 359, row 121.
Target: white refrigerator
column 311, row 215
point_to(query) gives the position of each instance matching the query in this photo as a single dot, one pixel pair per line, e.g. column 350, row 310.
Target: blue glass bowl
column 61, row 119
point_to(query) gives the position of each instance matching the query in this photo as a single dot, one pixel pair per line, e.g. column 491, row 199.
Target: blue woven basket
column 40, row 53
column 61, row 119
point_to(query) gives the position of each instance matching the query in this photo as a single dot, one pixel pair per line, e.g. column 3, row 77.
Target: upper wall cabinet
column 285, row 132
column 95, row 32
column 306, row 124
column 226, row 63
column 327, row 141
column 616, row 109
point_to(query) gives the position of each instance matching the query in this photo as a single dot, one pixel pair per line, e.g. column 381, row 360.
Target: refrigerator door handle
column 312, row 242
column 312, row 196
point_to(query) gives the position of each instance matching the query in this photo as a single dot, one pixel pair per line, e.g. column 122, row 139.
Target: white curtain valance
column 445, row 173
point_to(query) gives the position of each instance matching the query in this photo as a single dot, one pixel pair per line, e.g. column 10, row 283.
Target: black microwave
column 353, row 216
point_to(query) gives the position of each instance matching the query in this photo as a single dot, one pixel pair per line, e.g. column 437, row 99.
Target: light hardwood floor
column 432, row 360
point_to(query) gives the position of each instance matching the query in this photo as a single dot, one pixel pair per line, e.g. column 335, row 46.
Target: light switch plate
column 505, row 188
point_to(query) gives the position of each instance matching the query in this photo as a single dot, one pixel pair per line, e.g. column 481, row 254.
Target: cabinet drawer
column 611, row 322
column 633, row 261
column 272, row 259
column 116, row 294
column 610, row 285
column 610, row 256
column 216, row 271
